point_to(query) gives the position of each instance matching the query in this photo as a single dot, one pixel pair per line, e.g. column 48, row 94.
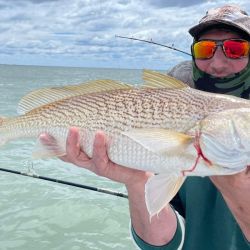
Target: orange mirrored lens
column 233, row 49
column 236, row 49
column 204, row 49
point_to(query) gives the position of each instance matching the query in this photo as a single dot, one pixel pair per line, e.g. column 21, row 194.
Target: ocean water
column 36, row 214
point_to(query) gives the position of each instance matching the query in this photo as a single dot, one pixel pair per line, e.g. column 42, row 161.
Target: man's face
column 219, row 65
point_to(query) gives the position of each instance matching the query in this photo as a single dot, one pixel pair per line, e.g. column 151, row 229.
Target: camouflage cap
column 229, row 15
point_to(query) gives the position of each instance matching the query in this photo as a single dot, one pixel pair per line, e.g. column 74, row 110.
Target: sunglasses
column 232, row 48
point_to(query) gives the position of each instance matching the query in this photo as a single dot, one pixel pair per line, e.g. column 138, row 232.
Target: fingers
column 100, row 162
column 75, row 155
column 100, row 149
column 72, row 143
column 47, row 139
column 73, row 150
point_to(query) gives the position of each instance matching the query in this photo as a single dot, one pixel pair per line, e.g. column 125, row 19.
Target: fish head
column 224, row 140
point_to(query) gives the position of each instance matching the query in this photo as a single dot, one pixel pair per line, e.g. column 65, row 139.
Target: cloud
column 171, row 3
column 82, row 32
column 38, row 1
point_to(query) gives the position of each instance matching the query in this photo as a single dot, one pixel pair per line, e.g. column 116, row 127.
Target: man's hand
column 235, row 190
column 100, row 163
column 161, row 229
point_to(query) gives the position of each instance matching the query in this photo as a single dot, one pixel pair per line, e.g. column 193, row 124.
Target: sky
column 82, row 33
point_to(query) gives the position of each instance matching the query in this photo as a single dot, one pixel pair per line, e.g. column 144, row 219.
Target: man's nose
column 219, row 59
column 219, row 54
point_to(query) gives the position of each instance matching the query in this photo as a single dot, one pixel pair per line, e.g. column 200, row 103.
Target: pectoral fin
column 160, row 190
column 160, row 140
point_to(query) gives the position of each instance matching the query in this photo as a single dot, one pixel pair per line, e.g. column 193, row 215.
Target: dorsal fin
column 153, row 79
column 44, row 96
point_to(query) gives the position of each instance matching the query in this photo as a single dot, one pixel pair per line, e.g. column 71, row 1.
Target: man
column 216, row 209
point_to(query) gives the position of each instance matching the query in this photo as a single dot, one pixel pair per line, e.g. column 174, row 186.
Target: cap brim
column 196, row 30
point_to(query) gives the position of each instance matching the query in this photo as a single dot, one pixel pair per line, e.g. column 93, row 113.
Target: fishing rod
column 33, row 175
column 151, row 41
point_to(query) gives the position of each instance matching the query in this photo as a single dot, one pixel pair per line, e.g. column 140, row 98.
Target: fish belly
column 124, row 151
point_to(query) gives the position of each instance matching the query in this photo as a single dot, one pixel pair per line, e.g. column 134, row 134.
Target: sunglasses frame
column 219, row 43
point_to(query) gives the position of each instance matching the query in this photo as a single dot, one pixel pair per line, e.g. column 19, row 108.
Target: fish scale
column 123, row 110
column 151, row 128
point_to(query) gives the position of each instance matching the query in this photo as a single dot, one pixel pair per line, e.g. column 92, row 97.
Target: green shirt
column 209, row 224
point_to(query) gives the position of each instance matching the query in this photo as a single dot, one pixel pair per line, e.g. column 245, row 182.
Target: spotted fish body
column 118, row 111
column 149, row 128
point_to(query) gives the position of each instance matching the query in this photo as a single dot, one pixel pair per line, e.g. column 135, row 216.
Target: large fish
column 156, row 127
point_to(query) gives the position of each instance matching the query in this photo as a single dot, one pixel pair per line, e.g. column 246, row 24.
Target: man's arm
column 162, row 227
column 183, row 72
column 235, row 191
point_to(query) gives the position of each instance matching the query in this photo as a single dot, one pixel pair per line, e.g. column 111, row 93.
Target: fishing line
column 34, row 175
column 151, row 41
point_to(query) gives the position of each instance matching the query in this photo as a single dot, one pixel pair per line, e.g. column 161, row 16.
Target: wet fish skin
column 149, row 128
column 225, row 138
column 120, row 110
